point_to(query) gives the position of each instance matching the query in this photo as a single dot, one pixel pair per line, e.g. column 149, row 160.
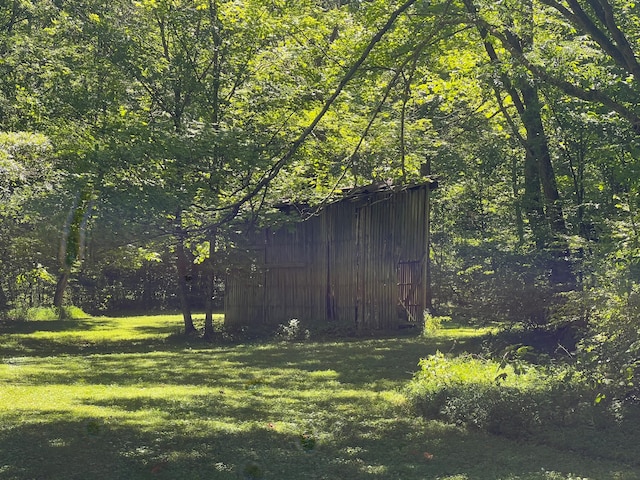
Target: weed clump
column 292, row 331
column 433, row 323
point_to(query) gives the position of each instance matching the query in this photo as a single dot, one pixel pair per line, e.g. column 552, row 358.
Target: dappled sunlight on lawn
column 168, row 410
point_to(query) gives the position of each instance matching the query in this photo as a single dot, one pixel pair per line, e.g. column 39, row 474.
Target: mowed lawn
column 123, row 398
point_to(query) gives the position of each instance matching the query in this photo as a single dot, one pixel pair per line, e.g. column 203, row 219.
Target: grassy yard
column 120, row 398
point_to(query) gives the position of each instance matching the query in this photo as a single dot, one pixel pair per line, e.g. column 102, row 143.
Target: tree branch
column 587, row 94
column 620, row 51
column 295, row 146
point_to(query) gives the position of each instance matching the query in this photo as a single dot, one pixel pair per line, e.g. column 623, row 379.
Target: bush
column 45, row 313
column 610, row 352
column 481, row 282
column 500, row 399
column 433, row 323
column 292, row 331
column 607, row 315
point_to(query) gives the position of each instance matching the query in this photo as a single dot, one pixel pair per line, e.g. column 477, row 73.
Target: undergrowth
column 45, row 313
column 517, row 400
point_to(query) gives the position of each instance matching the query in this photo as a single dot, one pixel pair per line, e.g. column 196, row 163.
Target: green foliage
column 482, row 281
column 292, row 331
column 433, row 323
column 45, row 313
column 25, row 158
column 610, row 350
column 515, row 399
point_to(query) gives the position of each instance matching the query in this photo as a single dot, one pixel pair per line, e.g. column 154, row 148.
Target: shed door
column 409, row 291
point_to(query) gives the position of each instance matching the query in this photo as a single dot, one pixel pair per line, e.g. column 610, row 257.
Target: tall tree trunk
column 72, row 243
column 209, row 331
column 427, row 291
column 539, row 147
column 545, row 216
column 535, row 145
column 577, row 175
column 184, row 277
column 561, row 274
column 517, row 202
column 61, row 286
column 66, row 256
column 531, row 201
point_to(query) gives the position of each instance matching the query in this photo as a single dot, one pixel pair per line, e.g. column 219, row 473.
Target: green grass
column 121, row 398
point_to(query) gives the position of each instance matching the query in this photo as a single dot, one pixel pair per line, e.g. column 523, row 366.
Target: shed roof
column 353, row 194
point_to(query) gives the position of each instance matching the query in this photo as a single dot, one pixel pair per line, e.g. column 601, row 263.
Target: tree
column 608, row 33
column 194, row 67
column 541, row 197
column 26, row 173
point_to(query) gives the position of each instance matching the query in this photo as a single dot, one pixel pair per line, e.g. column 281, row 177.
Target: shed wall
column 359, row 261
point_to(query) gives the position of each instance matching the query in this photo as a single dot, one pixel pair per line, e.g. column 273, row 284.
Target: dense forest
column 140, row 139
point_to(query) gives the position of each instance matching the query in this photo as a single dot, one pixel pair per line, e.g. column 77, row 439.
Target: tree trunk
column 517, row 202
column 72, row 243
column 539, row 146
column 209, row 332
column 532, row 199
column 4, row 304
column 560, row 264
column 544, row 213
column 184, row 278
column 427, row 292
column 577, row 175
column 61, row 286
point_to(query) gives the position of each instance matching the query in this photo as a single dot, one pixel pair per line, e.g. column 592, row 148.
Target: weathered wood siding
column 359, row 260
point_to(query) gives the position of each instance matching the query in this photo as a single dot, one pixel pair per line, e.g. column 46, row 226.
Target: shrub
column 73, row 312
column 484, row 394
column 45, row 313
column 610, row 352
column 481, row 282
column 433, row 323
column 292, row 331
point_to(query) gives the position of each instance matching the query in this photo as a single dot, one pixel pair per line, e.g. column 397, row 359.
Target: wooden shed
column 361, row 260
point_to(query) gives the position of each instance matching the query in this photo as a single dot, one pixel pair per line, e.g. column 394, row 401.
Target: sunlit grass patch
column 459, row 332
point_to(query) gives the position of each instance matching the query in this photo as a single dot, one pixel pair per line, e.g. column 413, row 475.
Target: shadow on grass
column 44, row 347
column 32, row 326
column 380, row 364
column 106, row 450
column 71, row 448
column 358, row 362
column 185, row 410
column 62, row 449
